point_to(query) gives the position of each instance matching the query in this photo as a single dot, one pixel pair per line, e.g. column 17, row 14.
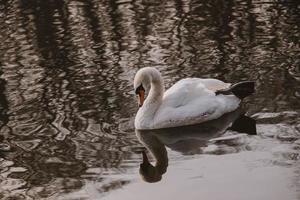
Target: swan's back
column 191, row 89
column 193, row 100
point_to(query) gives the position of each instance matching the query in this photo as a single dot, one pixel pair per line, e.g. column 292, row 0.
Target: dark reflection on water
column 66, row 100
column 189, row 140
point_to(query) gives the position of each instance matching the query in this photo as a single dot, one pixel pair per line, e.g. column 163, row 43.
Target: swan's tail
column 244, row 124
column 241, row 89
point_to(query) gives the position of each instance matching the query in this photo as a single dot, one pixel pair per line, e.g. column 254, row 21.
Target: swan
column 189, row 101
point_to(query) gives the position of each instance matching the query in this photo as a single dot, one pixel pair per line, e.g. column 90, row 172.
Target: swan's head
column 143, row 80
column 148, row 172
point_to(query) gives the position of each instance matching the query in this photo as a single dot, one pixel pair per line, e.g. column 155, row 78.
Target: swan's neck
column 156, row 93
column 145, row 115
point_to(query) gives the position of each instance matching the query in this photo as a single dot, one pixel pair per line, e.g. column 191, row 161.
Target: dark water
column 66, row 99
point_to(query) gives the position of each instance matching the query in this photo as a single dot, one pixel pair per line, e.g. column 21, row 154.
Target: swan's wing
column 192, row 101
column 190, row 89
column 181, row 92
column 214, row 84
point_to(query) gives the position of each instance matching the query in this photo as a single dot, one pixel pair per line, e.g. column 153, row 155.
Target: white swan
column 189, row 101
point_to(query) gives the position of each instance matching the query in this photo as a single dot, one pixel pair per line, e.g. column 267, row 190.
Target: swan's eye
column 138, row 89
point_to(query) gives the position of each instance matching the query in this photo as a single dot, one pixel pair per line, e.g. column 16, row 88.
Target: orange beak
column 141, row 97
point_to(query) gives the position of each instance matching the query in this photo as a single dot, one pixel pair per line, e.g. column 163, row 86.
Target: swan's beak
column 141, row 97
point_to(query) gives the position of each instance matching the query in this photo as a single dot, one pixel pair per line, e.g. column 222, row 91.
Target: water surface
column 67, row 101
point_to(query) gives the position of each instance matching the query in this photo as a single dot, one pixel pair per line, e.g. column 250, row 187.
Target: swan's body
column 189, row 101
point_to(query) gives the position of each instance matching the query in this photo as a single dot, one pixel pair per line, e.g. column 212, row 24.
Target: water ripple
column 66, row 99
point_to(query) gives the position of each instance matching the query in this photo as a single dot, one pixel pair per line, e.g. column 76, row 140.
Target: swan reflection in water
column 187, row 140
